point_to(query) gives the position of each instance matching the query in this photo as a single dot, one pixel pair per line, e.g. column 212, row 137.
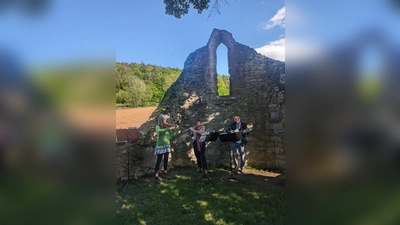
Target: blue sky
column 139, row 30
column 67, row 31
column 316, row 28
column 70, row 31
column 146, row 33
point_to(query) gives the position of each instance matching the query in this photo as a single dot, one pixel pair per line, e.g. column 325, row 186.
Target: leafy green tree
column 223, row 89
column 124, row 97
column 138, row 74
column 159, row 83
column 140, row 92
column 226, row 80
column 157, row 93
column 179, row 8
column 156, row 79
column 168, row 82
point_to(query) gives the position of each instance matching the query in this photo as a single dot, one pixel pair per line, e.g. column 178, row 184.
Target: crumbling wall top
column 220, row 36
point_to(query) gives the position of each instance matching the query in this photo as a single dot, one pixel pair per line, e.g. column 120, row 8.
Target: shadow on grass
column 185, row 199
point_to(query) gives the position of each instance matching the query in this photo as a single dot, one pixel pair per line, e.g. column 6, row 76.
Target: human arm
column 245, row 129
column 229, row 129
column 160, row 130
column 201, row 131
column 172, row 132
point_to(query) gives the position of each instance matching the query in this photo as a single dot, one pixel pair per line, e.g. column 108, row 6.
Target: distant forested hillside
column 140, row 84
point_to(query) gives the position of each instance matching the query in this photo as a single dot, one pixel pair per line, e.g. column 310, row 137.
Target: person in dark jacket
column 239, row 145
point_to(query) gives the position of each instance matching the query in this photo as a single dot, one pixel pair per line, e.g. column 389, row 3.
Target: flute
column 188, row 129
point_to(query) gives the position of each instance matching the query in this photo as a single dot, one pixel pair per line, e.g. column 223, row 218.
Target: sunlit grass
column 255, row 195
column 202, row 203
column 183, row 201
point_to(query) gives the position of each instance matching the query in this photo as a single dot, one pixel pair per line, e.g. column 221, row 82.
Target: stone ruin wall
column 257, row 94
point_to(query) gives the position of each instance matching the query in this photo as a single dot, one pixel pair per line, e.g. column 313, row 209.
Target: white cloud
column 274, row 50
column 277, row 20
column 304, row 50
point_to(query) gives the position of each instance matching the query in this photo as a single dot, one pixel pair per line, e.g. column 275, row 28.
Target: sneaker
column 158, row 180
column 242, row 170
column 199, row 170
column 205, row 171
column 166, row 176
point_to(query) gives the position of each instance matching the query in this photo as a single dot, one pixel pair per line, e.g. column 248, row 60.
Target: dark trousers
column 159, row 157
column 200, row 155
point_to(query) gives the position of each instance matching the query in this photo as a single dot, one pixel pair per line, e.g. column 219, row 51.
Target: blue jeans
column 235, row 148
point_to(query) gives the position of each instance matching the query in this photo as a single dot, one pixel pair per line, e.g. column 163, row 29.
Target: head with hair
column 161, row 119
column 198, row 122
column 236, row 118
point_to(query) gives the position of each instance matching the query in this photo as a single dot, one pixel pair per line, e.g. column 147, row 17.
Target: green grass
column 32, row 198
column 181, row 200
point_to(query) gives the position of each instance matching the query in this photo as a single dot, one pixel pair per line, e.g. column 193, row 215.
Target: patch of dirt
column 260, row 178
column 134, row 117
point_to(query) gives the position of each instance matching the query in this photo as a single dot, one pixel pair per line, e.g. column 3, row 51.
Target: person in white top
column 199, row 147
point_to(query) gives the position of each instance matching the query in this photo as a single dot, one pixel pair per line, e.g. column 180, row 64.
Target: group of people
column 166, row 130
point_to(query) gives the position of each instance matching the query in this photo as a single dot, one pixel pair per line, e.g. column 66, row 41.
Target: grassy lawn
column 188, row 199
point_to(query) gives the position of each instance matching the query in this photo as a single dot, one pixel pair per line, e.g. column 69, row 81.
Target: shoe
column 242, row 170
column 235, row 171
column 199, row 170
column 205, row 171
column 158, row 180
column 166, row 176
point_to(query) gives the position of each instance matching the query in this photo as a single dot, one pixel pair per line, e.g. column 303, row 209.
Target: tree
column 157, row 93
column 140, row 92
column 123, row 97
column 156, row 80
column 168, row 82
column 179, row 8
column 223, row 90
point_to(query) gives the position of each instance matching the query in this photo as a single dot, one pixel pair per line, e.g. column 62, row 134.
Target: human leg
column 197, row 154
column 203, row 156
column 235, row 147
column 157, row 168
column 242, row 157
column 166, row 155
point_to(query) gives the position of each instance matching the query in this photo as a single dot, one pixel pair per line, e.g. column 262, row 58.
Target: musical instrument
column 188, row 129
column 243, row 131
column 167, row 124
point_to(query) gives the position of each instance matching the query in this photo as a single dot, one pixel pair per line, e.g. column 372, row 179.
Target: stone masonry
column 257, row 94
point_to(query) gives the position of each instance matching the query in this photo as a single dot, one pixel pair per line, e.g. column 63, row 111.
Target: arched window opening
column 223, row 82
column 369, row 71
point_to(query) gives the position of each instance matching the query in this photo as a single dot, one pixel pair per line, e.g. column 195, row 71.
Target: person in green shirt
column 164, row 132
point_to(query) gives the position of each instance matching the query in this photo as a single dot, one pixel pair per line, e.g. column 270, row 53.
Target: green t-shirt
column 164, row 135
